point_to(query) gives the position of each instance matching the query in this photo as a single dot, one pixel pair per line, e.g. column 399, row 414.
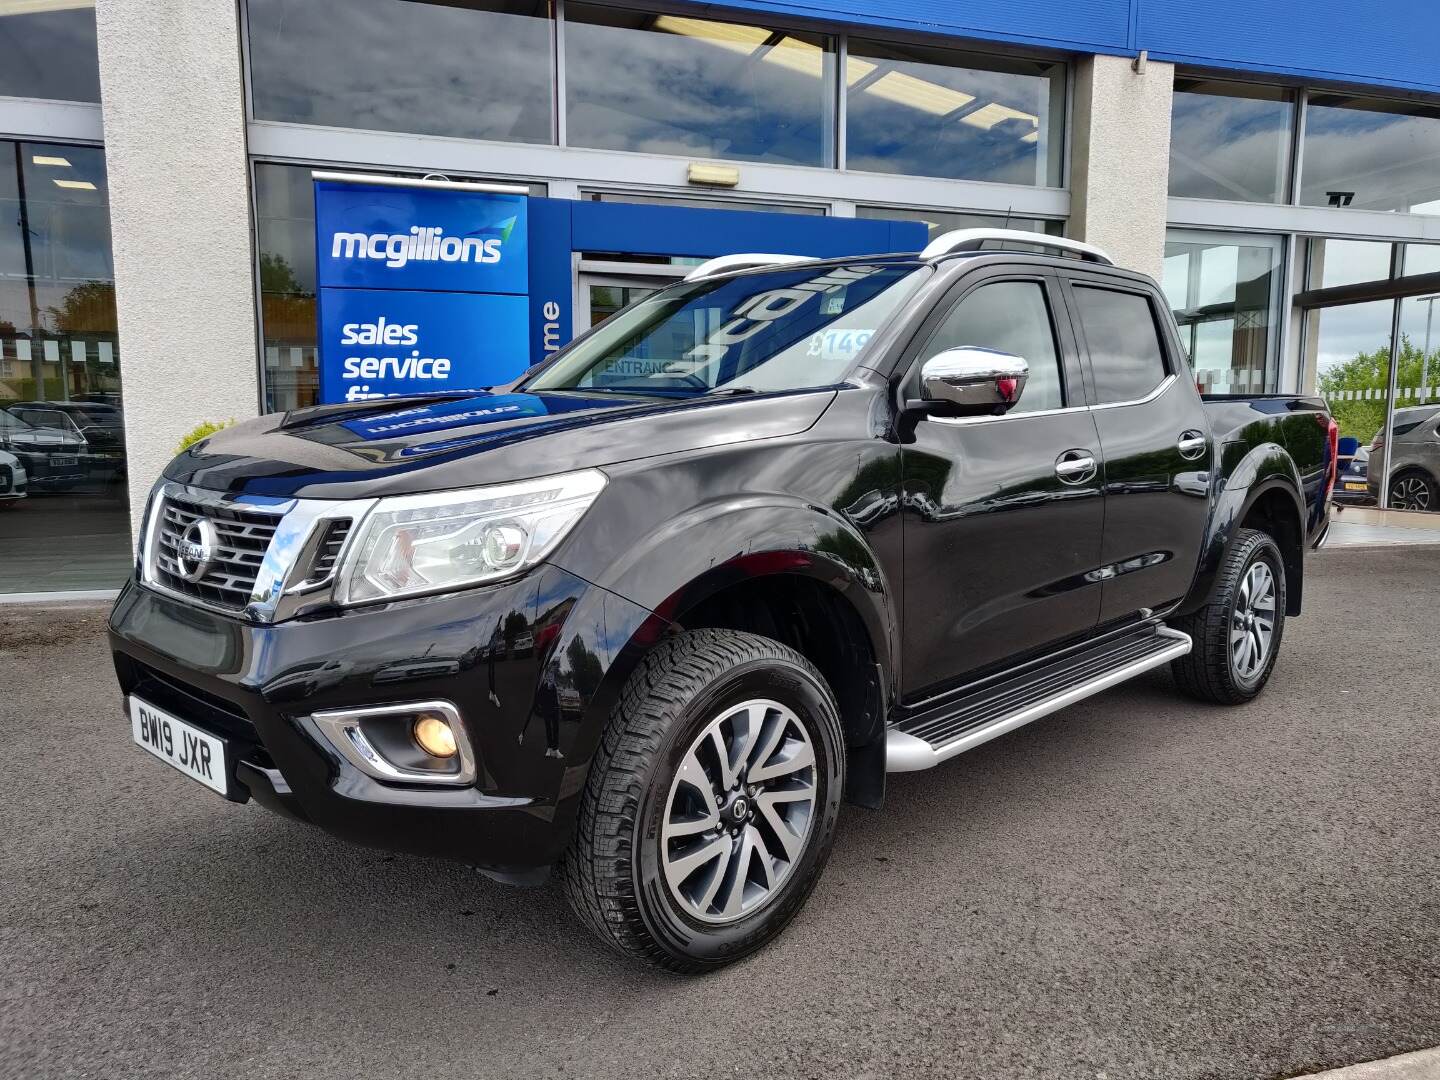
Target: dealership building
column 1274, row 163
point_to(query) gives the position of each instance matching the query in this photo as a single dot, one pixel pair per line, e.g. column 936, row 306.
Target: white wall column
column 1120, row 158
column 174, row 115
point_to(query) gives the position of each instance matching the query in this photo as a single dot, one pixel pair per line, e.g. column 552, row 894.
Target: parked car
column 758, row 579
column 101, row 426
column 1414, row 459
column 13, row 480
column 1352, row 485
column 53, row 454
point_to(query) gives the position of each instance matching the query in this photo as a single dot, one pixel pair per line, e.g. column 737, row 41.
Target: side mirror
column 971, row 381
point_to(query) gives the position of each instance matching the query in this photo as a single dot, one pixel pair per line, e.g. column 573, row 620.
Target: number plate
column 63, row 459
column 1356, row 487
column 197, row 754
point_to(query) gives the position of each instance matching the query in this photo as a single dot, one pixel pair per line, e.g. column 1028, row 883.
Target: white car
column 13, row 480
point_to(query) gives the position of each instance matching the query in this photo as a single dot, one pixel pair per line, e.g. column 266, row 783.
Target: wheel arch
column 822, row 622
column 1261, row 491
column 760, row 554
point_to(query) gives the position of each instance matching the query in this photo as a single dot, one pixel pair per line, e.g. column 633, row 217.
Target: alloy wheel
column 1410, row 493
column 1252, row 625
column 739, row 811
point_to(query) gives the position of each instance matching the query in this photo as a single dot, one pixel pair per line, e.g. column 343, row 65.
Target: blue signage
column 379, row 343
column 421, row 289
column 445, row 288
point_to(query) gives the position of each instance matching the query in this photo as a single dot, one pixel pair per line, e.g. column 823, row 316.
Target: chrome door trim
column 960, row 420
column 1165, row 384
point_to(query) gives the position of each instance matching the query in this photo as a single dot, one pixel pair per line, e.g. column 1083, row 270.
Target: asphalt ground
column 1136, row 887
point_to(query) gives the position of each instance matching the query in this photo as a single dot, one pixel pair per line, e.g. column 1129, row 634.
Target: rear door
column 998, row 544
column 1155, row 440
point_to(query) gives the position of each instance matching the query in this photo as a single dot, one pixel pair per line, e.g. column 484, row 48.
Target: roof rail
column 747, row 261
column 959, row 240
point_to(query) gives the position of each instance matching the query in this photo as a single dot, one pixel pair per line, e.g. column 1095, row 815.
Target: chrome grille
column 332, row 542
column 244, row 537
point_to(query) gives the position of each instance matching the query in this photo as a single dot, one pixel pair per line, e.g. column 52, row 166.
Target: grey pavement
column 1137, row 887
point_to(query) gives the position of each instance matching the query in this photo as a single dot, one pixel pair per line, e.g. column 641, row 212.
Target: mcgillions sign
column 421, row 288
column 422, row 244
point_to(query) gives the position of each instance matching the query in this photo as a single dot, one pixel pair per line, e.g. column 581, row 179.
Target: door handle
column 1075, row 466
column 1192, row 445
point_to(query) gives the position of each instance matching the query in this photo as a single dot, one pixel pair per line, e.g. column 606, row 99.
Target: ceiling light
column 78, row 185
column 919, row 94
column 732, row 36
column 856, row 69
column 43, row 159
column 798, row 56
column 987, row 116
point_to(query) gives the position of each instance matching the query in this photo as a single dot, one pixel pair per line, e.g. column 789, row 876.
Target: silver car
column 1414, row 459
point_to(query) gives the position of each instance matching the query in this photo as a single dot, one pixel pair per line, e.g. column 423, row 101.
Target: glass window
column 1126, row 359
column 1012, row 317
column 285, row 241
column 477, row 71
column 1371, row 155
column 1335, row 262
column 777, row 330
column 924, row 111
column 1230, row 141
column 943, row 221
column 1421, row 259
column 48, row 51
column 64, row 509
column 674, row 84
column 1225, row 293
column 1350, row 349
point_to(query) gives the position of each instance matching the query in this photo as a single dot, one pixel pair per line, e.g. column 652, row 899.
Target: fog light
column 435, row 737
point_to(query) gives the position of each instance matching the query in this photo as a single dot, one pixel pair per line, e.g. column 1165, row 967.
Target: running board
column 922, row 741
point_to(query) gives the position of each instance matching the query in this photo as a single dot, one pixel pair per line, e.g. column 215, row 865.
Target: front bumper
column 531, row 665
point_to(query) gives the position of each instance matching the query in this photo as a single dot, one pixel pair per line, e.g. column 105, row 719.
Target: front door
column 1003, row 516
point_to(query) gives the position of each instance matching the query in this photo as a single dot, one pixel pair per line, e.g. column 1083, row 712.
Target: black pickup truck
column 650, row 614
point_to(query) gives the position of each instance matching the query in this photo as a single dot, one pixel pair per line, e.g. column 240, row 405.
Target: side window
column 1126, row 358
column 1012, row 317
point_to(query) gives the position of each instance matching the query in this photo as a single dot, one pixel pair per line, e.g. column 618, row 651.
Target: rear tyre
column 711, row 805
column 1414, row 490
column 1237, row 633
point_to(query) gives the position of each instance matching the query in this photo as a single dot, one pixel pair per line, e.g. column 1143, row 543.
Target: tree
column 88, row 308
column 1357, row 389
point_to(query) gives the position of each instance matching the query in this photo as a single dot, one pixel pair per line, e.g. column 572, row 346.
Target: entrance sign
column 422, row 288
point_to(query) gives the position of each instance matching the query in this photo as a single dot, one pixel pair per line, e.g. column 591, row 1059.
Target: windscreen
column 788, row 329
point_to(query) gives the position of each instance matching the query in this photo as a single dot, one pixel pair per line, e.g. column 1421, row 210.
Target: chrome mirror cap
column 974, row 379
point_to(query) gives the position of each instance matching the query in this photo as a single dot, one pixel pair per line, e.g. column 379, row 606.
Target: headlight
column 415, row 544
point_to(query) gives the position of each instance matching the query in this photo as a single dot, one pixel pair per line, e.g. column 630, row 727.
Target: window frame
column 1171, row 355
column 1074, row 388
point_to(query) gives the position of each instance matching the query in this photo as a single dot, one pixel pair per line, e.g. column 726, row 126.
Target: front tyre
column 1237, row 633
column 711, row 805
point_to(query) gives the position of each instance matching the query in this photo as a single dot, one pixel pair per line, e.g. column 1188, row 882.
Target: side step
column 929, row 738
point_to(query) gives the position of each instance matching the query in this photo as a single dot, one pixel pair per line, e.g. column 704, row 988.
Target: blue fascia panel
column 1382, row 44
column 1389, row 44
column 1085, row 26
column 679, row 230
